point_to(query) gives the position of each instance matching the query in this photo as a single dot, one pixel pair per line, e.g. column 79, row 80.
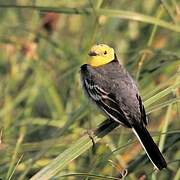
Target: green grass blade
column 177, row 176
column 161, row 94
column 82, row 145
column 106, row 12
column 15, row 154
column 89, row 175
column 10, row 177
column 164, row 104
column 165, row 127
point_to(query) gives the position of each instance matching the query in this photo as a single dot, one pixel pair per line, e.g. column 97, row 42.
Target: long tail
column 150, row 147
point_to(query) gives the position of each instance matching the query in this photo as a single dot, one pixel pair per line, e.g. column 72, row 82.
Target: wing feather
column 106, row 102
column 142, row 110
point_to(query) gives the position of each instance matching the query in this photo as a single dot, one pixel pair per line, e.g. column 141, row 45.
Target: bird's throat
column 96, row 61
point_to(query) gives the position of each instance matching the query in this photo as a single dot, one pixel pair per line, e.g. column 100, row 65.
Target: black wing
column 106, row 101
column 142, row 110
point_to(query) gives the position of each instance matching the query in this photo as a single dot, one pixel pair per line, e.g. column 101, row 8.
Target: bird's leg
column 91, row 136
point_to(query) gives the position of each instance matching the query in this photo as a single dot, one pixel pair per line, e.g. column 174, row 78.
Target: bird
column 109, row 85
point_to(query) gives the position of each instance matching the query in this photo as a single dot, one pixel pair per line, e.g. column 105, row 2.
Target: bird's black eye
column 105, row 52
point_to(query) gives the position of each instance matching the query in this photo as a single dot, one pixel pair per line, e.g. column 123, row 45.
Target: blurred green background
column 43, row 111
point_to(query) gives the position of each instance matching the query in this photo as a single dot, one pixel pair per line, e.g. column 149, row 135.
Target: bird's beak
column 92, row 53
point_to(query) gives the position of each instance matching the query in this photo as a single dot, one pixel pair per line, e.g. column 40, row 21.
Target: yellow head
column 101, row 54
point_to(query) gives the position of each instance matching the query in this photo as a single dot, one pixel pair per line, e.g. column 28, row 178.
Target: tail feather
column 150, row 147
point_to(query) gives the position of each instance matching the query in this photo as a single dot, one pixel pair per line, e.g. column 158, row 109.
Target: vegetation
column 48, row 128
